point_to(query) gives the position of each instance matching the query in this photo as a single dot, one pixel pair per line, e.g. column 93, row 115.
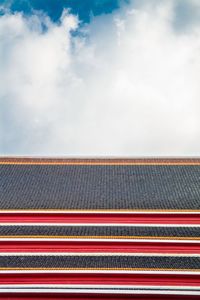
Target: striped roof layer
column 104, row 262
column 99, row 228
column 112, row 232
column 99, row 185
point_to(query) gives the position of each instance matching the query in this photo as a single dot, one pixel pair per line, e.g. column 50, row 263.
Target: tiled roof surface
column 100, row 262
column 100, row 227
column 86, row 186
column 100, row 231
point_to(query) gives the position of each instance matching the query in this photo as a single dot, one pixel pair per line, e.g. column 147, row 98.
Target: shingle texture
column 99, row 187
column 82, row 262
column 101, row 184
column 107, row 231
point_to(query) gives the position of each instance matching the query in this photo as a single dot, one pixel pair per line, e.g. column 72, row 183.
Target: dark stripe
column 99, row 187
column 121, row 262
column 99, row 231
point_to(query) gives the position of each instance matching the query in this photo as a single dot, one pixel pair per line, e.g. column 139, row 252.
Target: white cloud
column 129, row 85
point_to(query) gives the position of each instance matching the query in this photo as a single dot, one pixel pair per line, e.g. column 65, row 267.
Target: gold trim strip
column 98, row 237
column 101, row 269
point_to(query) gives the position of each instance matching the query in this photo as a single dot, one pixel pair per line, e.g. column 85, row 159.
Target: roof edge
column 35, row 160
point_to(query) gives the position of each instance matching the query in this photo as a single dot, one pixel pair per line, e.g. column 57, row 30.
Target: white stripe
column 99, row 272
column 10, row 254
column 100, row 240
column 101, row 224
column 99, row 286
column 97, row 291
column 98, row 211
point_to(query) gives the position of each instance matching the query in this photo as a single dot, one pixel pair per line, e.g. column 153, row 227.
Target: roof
column 94, row 228
column 99, row 184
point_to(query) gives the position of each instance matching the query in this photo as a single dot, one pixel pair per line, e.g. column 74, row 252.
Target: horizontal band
column 24, row 246
column 100, row 161
column 100, row 237
column 100, row 262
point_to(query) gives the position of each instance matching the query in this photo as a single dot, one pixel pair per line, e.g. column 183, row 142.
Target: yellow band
column 104, row 269
column 99, row 237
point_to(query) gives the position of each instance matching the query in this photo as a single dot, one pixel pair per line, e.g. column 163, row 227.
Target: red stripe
column 101, row 279
column 94, row 246
column 129, row 218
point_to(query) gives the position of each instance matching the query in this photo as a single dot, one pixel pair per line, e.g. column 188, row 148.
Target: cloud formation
column 126, row 84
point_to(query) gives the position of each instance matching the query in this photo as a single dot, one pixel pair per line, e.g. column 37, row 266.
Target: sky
column 54, row 8
column 100, row 77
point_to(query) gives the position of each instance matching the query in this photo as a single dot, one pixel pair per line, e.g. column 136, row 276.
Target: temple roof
column 100, row 184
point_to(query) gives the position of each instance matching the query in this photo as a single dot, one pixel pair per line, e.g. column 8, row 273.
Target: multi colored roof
column 93, row 227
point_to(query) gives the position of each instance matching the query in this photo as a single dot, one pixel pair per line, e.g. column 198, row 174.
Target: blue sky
column 54, row 8
column 127, row 85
